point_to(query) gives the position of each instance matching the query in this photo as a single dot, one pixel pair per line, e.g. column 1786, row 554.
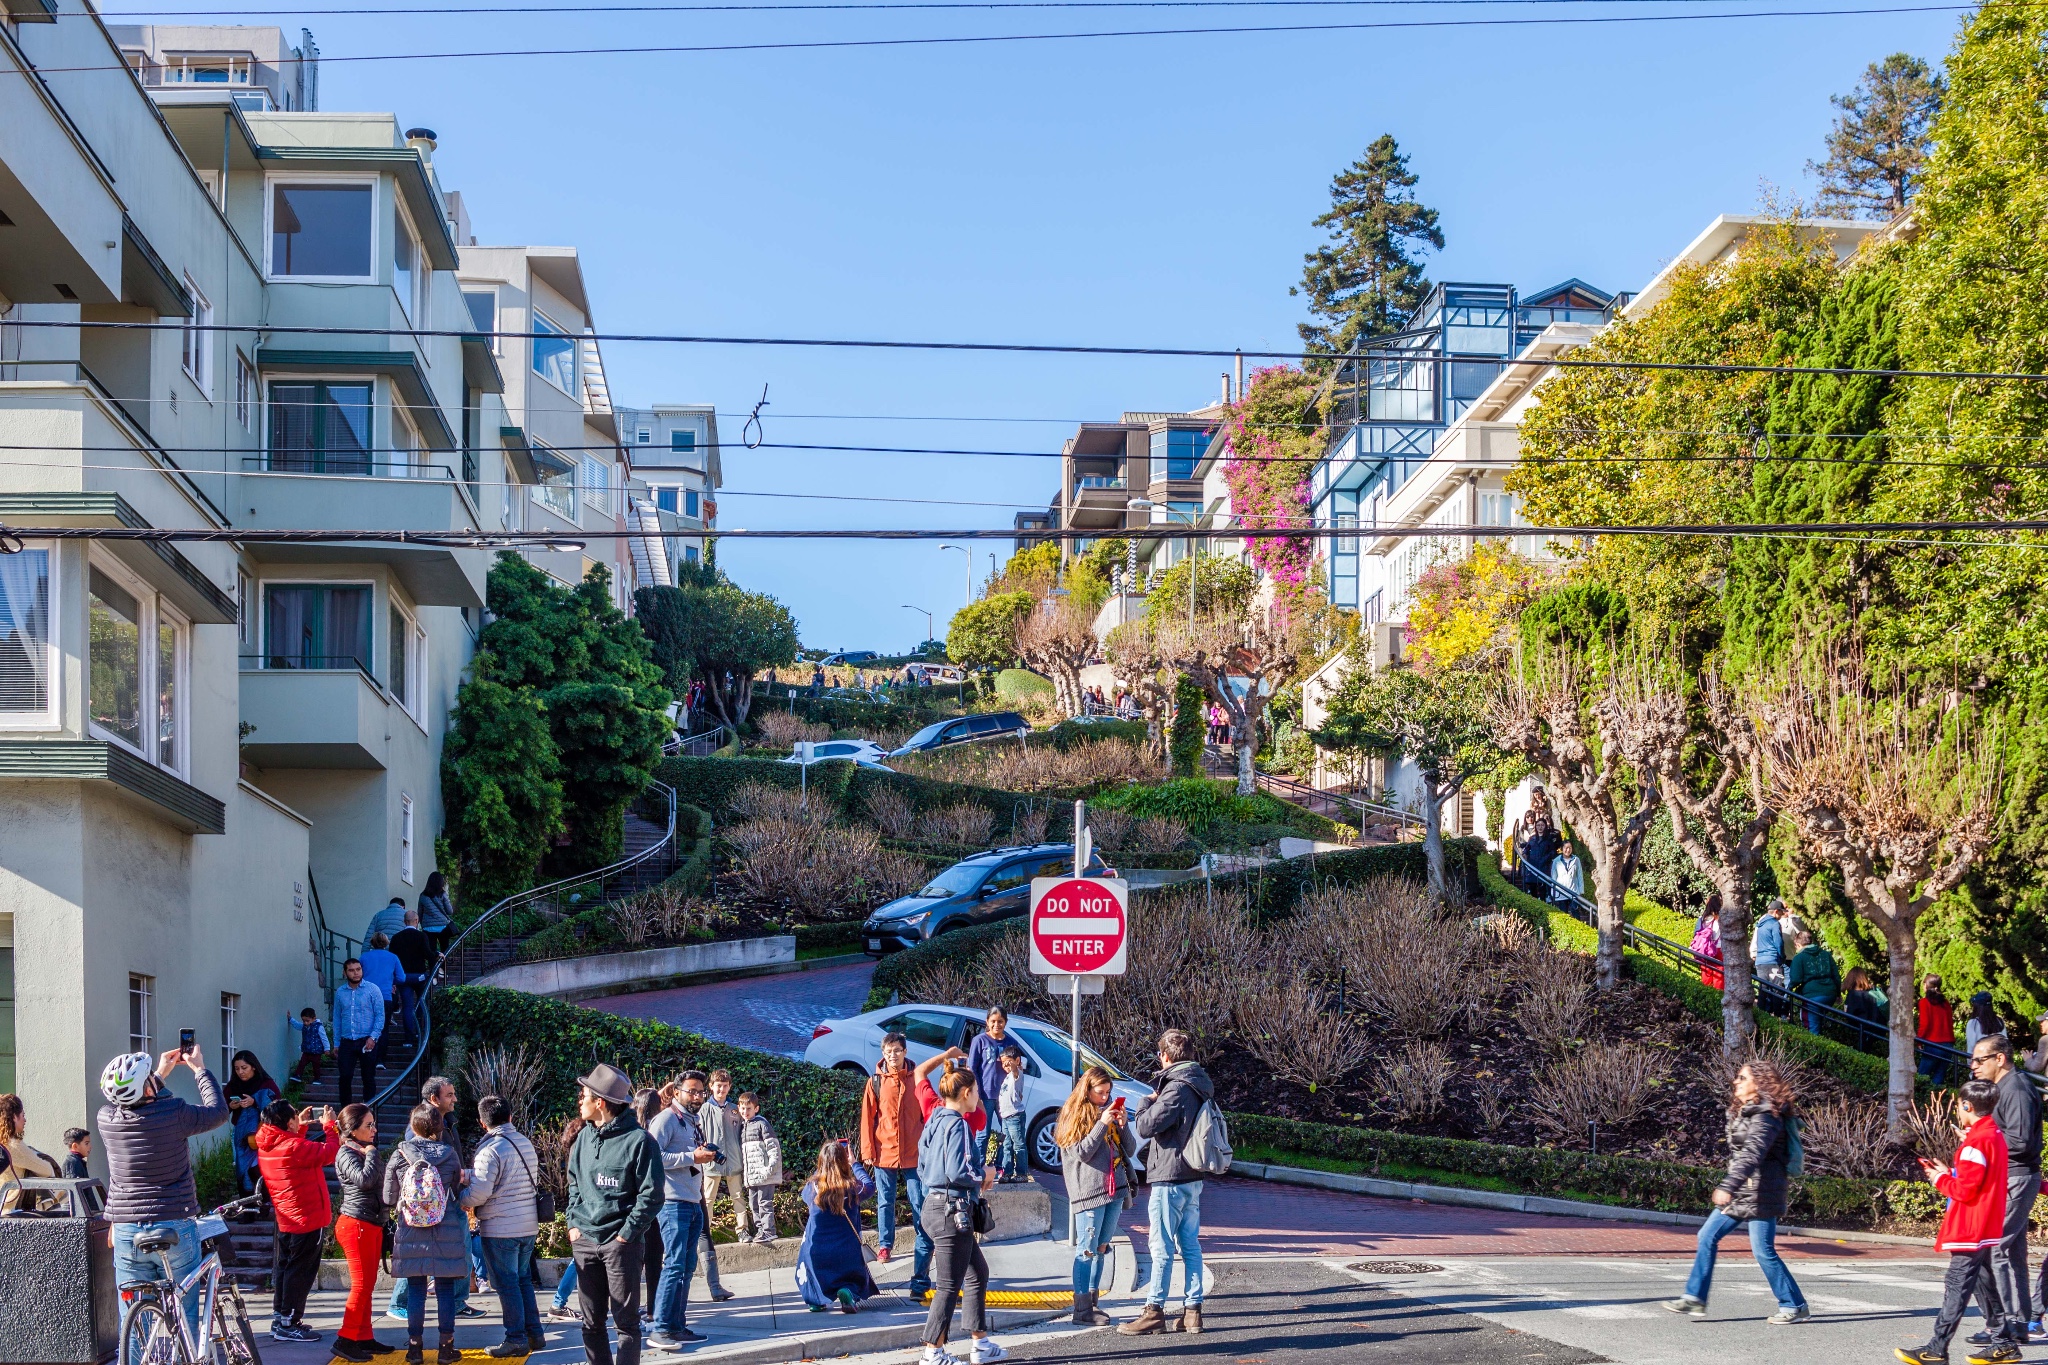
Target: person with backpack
column 615, row 1193
column 1813, row 977
column 2008, row 1315
column 503, row 1197
column 1763, row 1151
column 1168, row 1121
column 891, row 1122
column 422, row 1181
column 1970, row 1226
column 293, row 1151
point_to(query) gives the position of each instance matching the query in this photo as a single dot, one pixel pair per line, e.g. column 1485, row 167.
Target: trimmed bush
column 807, row 1104
column 1013, row 685
column 960, row 947
column 710, row 783
column 590, row 930
column 1067, row 734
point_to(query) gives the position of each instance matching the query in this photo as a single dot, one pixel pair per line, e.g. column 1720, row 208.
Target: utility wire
column 860, row 5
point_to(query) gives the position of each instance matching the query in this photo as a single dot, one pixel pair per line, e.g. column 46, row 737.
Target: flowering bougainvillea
column 1274, row 435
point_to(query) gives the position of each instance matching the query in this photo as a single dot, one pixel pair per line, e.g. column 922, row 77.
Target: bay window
column 322, row 231
column 137, row 663
column 408, row 281
column 115, row 652
column 554, row 354
column 322, row 427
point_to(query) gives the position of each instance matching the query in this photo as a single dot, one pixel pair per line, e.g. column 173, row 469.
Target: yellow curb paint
column 1019, row 1298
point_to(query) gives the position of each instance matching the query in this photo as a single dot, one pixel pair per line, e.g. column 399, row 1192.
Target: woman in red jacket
column 1972, row 1226
column 293, row 1151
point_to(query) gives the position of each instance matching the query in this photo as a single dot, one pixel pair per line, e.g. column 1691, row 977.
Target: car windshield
column 1056, row 1050
column 956, row 880
column 928, row 732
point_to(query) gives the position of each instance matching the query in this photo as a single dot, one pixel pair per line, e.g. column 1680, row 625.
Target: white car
column 865, row 752
column 856, row 1045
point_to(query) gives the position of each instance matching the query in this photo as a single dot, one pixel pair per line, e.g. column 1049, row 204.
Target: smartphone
column 1117, row 1103
column 186, row 1040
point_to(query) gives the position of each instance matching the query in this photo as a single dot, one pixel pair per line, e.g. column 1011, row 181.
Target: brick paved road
column 768, row 1013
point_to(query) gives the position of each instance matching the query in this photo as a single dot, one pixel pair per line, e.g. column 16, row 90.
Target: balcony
column 361, row 495
column 313, row 712
column 1098, row 501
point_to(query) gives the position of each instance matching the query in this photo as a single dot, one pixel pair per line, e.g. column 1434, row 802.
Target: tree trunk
column 1433, row 840
column 1904, row 992
column 744, row 703
column 1738, row 972
column 1610, row 893
column 1247, row 777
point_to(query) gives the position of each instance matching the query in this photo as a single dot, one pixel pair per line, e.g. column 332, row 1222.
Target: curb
column 1524, row 1203
column 858, row 1340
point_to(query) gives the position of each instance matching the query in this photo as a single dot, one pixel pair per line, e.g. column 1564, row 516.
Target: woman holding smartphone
column 1095, row 1158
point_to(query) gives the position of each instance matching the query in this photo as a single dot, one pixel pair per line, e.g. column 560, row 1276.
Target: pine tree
column 1366, row 280
column 1880, row 139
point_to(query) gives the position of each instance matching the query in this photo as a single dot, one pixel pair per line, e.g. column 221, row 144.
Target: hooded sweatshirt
column 615, row 1180
column 294, row 1172
column 1168, row 1120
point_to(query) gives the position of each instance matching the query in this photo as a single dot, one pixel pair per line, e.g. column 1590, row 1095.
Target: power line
column 862, row 5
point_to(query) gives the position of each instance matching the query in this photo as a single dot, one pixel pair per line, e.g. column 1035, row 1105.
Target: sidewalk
column 766, row 1324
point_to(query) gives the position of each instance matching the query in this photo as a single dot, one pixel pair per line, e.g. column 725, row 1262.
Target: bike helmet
column 126, row 1079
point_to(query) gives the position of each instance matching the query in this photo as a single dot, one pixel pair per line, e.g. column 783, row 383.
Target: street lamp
column 927, row 621
column 967, row 556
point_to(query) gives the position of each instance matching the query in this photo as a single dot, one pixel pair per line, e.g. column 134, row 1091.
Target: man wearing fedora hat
column 615, row 1191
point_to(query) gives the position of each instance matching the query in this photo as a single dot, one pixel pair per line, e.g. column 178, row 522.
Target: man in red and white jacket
column 1971, row 1228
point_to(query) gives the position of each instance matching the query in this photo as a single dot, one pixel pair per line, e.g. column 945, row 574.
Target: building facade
column 672, row 454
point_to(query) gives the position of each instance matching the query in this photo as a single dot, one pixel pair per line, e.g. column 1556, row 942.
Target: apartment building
column 672, row 456
column 1143, row 457
column 218, row 759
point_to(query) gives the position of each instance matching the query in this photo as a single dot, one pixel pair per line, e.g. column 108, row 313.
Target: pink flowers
column 1274, row 441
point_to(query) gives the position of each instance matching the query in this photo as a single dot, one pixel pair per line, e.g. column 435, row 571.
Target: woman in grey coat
column 438, row 1249
column 1095, row 1158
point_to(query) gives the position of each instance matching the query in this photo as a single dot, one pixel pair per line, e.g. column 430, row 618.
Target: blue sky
column 1147, row 191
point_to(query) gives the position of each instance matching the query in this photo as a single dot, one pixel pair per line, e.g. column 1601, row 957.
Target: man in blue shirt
column 358, row 1024
column 382, row 969
column 1769, row 944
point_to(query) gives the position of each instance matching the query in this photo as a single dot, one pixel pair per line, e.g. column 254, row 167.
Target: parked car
column 944, row 734
column 865, row 752
column 856, row 1045
column 990, row 886
column 936, row 675
column 852, row 658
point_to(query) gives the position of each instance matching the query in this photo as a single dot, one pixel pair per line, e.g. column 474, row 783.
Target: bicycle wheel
column 234, row 1343
column 148, row 1337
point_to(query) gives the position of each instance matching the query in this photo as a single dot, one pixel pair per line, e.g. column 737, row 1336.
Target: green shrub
column 213, row 1174
column 960, row 947
column 1067, row 734
column 1013, row 685
column 807, row 1104
column 1190, row 727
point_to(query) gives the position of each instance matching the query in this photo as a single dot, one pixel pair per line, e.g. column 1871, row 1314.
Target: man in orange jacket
column 292, row 1152
column 891, row 1122
column 1971, row 1228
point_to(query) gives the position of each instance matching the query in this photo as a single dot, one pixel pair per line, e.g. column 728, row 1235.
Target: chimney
column 421, row 140
column 1226, row 389
column 1240, row 376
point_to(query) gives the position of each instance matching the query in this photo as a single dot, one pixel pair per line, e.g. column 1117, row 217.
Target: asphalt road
column 768, row 1013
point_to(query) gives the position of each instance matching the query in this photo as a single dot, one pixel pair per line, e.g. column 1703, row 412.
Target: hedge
column 960, row 947
column 806, row 1103
column 1859, row 1069
column 711, row 782
column 1629, row 1181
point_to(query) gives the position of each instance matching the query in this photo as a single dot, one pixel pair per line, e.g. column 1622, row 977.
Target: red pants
column 362, row 1244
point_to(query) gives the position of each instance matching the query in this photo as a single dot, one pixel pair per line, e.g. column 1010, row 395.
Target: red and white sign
column 1079, row 925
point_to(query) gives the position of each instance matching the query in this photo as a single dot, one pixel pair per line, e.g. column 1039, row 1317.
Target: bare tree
column 1900, row 797
column 1240, row 659
column 1133, row 653
column 1540, row 709
column 1701, row 749
column 1055, row 639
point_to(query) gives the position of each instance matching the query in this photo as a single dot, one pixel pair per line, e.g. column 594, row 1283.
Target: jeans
column 409, row 989
column 681, row 1224
column 2006, row 1286
column 184, row 1257
column 476, row 1258
column 608, row 1283
column 1813, row 1016
column 416, row 1305
column 566, row 1286
column 1013, row 1146
column 1933, row 1065
column 960, row 1273
column 1966, row 1270
column 511, row 1263
column 1176, row 1216
column 351, row 1056
column 1093, row 1229
column 1763, row 1244
column 886, row 1183
column 707, row 1250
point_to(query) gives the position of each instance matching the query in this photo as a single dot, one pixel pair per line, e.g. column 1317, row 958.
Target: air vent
column 64, row 290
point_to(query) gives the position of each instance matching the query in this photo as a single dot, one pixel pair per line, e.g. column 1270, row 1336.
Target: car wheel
column 855, row 1067
column 1045, row 1152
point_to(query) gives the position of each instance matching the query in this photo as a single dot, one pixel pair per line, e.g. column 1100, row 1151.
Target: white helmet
column 126, row 1080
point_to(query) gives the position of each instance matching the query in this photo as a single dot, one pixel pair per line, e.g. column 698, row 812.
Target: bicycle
column 153, row 1329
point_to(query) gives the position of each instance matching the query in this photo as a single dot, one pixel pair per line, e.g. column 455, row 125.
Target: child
column 760, row 1164
column 1971, row 1228
column 1010, row 1110
column 78, row 1143
column 313, row 1047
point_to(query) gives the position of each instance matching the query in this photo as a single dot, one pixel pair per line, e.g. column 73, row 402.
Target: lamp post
column 967, row 557
column 927, row 622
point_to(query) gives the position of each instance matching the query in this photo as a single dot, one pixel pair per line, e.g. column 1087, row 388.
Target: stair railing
column 660, row 852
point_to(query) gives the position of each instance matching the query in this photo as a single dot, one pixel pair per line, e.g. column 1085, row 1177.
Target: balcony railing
column 334, row 663
column 342, row 466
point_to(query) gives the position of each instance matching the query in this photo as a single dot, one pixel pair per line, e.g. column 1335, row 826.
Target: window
column 198, row 347
column 230, row 1007
column 309, row 625
column 594, row 480
column 321, row 231
column 923, row 1028
column 397, row 663
column 115, row 655
column 243, row 616
column 170, row 666
column 557, row 488
column 405, row 267
column 245, row 392
column 554, row 355
column 682, row 440
column 321, row 427
column 405, row 838
column 211, row 180
column 141, row 1013
column 28, row 658
column 1011, row 877
column 7, row 1003
column 665, row 499
column 644, row 436
column 1176, row 453
column 483, row 311
column 1056, row 1049
column 690, row 503
column 689, row 554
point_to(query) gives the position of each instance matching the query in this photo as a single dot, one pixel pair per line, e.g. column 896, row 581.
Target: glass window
column 321, row 230
column 1176, row 453
column 115, row 656
column 198, row 342
column 1012, row 876
column 321, row 428
column 405, row 838
column 230, row 1010
column 397, row 665
column 958, row 880
column 594, row 480
column 644, row 436
column 141, row 1013
column 557, row 492
column 25, row 632
column 923, row 1028
column 309, row 625
column 7, row 1003
column 665, row 499
column 1056, row 1049
column 169, row 645
column 690, row 503
column 245, row 392
column 483, row 311
column 689, row 554
column 682, row 440
column 554, row 355
column 405, row 262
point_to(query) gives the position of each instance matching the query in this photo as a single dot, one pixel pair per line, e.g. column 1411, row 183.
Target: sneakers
column 939, row 1355
column 1983, row 1338
column 1688, row 1305
column 1920, row 1355
column 1785, row 1317
column 846, row 1301
column 358, row 1352
column 292, row 1331
column 720, row 1295
column 2034, row 1332
column 1999, row 1352
column 662, row 1341
column 509, row 1349
column 563, row 1315
column 470, row 1310
column 987, row 1349
column 882, row 1254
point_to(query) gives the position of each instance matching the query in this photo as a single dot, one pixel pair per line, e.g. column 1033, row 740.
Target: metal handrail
column 1779, row 999
column 664, row 846
column 330, row 949
column 1286, row 787
column 701, row 745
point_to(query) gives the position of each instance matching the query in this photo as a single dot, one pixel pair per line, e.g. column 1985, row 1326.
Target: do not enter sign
column 1079, row 925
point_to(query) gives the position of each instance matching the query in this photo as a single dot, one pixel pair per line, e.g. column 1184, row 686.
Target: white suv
column 856, row 1045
